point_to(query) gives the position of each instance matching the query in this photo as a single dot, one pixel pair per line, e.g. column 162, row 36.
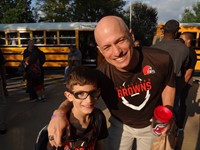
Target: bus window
column 38, row 36
column 24, row 38
column 51, row 37
column 2, row 38
column 198, row 43
column 67, row 37
column 12, row 38
column 194, row 41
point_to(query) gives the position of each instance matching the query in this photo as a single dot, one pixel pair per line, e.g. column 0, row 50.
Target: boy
column 87, row 123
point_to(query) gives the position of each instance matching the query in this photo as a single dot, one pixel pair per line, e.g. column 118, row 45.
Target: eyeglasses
column 84, row 94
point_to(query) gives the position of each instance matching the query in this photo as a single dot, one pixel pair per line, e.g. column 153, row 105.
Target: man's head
column 31, row 45
column 72, row 48
column 171, row 26
column 82, row 89
column 137, row 43
column 187, row 37
column 115, row 42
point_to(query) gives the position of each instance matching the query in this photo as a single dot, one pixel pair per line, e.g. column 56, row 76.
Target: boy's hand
column 57, row 125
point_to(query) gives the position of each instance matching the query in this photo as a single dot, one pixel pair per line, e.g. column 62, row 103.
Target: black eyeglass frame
column 93, row 93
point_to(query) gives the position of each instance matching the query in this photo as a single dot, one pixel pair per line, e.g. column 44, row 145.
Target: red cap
column 163, row 114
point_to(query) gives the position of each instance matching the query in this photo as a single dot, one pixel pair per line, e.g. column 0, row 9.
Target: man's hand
column 57, row 126
column 170, row 127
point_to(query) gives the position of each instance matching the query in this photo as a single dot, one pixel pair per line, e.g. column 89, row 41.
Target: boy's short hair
column 81, row 75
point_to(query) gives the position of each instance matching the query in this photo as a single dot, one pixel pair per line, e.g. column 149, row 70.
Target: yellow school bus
column 53, row 39
column 193, row 28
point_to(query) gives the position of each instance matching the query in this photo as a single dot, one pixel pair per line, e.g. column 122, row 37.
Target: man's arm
column 168, row 96
column 59, row 123
column 188, row 75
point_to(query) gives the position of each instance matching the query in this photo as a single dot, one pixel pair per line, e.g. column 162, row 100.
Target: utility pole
column 130, row 14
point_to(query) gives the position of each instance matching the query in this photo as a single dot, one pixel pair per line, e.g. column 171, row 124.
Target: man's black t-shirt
column 132, row 96
column 192, row 58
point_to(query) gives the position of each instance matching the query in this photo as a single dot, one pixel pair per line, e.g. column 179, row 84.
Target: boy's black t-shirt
column 132, row 96
column 96, row 130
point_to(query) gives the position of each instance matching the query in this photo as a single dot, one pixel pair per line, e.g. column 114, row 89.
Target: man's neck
column 169, row 37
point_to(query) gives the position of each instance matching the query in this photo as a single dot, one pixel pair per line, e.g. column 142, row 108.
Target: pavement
column 26, row 118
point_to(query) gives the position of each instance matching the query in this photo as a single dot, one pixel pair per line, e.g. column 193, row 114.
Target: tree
column 191, row 15
column 78, row 10
column 4, row 6
column 52, row 10
column 143, row 23
column 94, row 10
column 16, row 11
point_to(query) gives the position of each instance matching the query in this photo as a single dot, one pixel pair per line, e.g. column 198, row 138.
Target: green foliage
column 77, row 10
column 191, row 15
column 143, row 22
column 15, row 11
column 18, row 11
column 52, row 10
column 95, row 9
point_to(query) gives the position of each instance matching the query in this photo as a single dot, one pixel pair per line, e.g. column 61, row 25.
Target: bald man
column 188, row 38
column 133, row 84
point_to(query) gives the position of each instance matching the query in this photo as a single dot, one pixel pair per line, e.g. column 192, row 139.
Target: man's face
column 185, row 40
column 72, row 49
column 31, row 45
column 115, row 44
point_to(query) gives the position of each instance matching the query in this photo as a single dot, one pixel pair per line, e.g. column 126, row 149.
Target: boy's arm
column 59, row 123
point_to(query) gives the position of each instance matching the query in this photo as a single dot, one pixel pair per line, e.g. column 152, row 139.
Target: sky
column 168, row 9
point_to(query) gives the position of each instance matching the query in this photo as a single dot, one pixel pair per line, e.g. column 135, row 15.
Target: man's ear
column 69, row 96
column 99, row 49
column 132, row 34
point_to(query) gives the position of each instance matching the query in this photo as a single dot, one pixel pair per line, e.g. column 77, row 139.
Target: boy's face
column 83, row 98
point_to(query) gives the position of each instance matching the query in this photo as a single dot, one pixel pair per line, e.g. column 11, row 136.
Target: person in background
column 74, row 59
column 137, row 43
column 133, row 83
column 3, row 73
column 87, row 123
column 92, row 51
column 178, row 51
column 3, row 105
column 180, row 55
column 34, row 59
column 187, row 38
